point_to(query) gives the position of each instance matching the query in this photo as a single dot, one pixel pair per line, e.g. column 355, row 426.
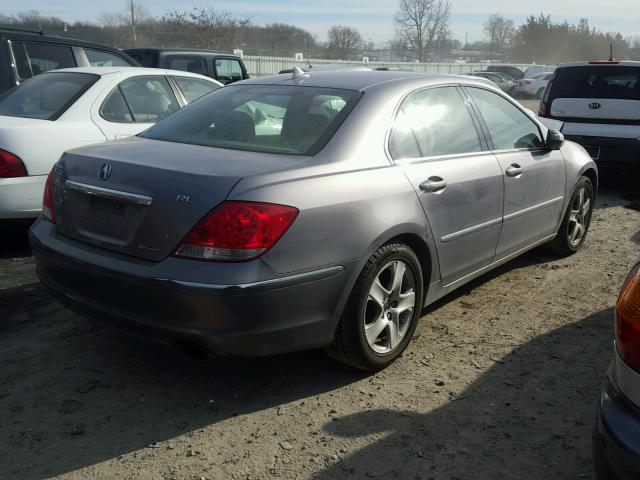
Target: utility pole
column 133, row 23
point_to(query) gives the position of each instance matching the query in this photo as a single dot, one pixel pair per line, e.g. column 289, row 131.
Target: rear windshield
column 616, row 82
column 260, row 118
column 46, row 96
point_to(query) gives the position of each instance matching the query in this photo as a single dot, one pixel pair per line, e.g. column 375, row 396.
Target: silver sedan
column 308, row 210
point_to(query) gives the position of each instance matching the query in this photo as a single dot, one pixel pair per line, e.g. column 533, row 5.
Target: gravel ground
column 500, row 381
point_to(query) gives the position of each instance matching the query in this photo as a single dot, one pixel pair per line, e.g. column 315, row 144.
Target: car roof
column 602, row 63
column 36, row 36
column 356, row 79
column 130, row 71
column 179, row 50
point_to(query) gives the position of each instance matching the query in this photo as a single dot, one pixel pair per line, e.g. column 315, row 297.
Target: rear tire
column 575, row 224
column 382, row 311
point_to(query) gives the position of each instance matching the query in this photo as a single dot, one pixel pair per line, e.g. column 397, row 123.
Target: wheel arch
column 592, row 175
column 420, row 247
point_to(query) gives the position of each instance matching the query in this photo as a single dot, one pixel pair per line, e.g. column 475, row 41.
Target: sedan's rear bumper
column 21, row 197
column 159, row 301
column 616, row 436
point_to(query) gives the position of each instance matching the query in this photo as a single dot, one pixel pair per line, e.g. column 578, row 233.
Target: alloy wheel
column 579, row 217
column 390, row 307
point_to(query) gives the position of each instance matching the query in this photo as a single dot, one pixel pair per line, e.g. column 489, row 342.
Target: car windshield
column 260, row 118
column 615, row 82
column 45, row 96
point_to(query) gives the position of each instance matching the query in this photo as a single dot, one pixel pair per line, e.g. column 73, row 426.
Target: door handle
column 433, row 184
column 514, row 170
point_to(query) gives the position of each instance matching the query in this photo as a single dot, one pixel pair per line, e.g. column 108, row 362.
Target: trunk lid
column 140, row 197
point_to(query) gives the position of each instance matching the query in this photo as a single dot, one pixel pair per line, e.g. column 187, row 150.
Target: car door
column 534, row 177
column 133, row 105
column 437, row 141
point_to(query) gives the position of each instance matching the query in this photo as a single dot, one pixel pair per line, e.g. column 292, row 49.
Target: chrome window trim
column 111, row 194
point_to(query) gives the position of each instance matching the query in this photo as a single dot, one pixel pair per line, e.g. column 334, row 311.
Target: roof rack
column 24, row 30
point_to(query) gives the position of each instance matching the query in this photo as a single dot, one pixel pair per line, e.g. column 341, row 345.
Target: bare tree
column 344, row 42
column 499, row 32
column 420, row 24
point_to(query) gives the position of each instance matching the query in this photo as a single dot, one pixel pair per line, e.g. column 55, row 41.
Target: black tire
column 540, row 93
column 562, row 245
column 349, row 344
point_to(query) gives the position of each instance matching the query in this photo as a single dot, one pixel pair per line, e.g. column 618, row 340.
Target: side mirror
column 554, row 140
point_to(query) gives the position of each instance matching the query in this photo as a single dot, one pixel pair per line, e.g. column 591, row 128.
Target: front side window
column 228, row 70
column 260, row 118
column 149, row 98
column 509, row 127
column 99, row 58
column 194, row 88
column 188, row 64
column 433, row 122
column 43, row 57
column 46, row 96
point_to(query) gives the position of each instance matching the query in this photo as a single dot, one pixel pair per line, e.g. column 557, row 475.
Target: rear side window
column 260, row 118
column 509, row 127
column 194, row 88
column 145, row 99
column 46, row 96
column 188, row 64
column 99, row 58
column 228, row 70
column 433, row 122
column 43, row 57
column 615, row 82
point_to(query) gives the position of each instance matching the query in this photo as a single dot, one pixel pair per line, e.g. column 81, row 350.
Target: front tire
column 575, row 224
column 382, row 311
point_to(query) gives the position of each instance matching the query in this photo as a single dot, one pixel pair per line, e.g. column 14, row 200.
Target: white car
column 533, row 85
column 64, row 109
column 535, row 69
column 599, row 105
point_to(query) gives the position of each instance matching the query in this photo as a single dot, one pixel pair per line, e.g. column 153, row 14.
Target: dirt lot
column 499, row 382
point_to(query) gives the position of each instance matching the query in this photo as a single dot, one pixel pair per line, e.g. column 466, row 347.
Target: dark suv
column 513, row 72
column 220, row 66
column 25, row 53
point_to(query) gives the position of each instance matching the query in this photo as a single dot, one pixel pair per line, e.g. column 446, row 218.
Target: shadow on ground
column 74, row 393
column 14, row 239
column 530, row 417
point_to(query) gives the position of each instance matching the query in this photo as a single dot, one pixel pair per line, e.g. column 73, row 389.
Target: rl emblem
column 182, row 198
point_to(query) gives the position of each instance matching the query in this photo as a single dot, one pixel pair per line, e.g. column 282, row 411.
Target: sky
column 373, row 18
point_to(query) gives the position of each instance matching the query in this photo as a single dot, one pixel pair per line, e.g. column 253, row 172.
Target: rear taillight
column 47, row 199
column 237, row 231
column 542, row 109
column 527, row 82
column 628, row 320
column 11, row 165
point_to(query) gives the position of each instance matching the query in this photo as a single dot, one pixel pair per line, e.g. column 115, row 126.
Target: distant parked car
column 599, row 103
column 616, row 436
column 533, row 86
column 223, row 67
column 369, row 196
column 69, row 108
column 25, row 53
column 510, row 70
column 502, row 82
column 535, row 69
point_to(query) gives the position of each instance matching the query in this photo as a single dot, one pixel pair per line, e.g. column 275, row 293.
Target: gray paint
column 352, row 199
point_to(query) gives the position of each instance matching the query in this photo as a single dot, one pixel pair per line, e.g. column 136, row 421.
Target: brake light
column 11, row 165
column 237, row 231
column 604, row 62
column 542, row 109
column 527, row 82
column 47, row 199
column 627, row 323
